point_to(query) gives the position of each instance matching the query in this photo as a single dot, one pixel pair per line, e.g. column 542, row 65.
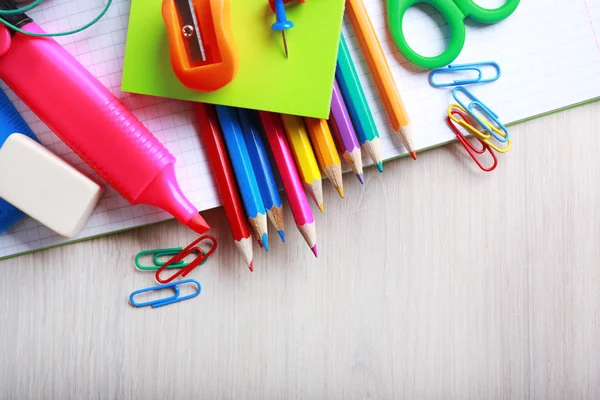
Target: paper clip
column 168, row 300
column 468, row 125
column 184, row 253
column 173, row 252
column 157, row 254
column 473, row 152
column 465, row 67
column 476, row 103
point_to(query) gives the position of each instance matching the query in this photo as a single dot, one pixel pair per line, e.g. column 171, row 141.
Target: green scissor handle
column 454, row 12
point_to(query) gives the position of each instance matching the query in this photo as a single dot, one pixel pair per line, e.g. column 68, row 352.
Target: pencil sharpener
column 202, row 48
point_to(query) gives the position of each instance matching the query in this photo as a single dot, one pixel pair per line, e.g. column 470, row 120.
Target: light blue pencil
column 356, row 101
column 263, row 170
column 244, row 173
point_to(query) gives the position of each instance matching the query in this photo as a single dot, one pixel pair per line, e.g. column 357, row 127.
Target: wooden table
column 450, row 283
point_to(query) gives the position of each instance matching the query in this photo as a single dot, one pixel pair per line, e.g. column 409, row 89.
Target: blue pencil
column 259, row 157
column 244, row 174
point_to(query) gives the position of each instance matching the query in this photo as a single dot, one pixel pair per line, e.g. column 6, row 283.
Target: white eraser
column 45, row 187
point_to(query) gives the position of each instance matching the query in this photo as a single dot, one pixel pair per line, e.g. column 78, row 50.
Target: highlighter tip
column 198, row 224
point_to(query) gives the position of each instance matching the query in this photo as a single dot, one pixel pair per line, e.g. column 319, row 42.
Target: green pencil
column 358, row 108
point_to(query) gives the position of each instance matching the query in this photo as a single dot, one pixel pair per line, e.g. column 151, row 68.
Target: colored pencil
column 209, row 127
column 259, row 157
column 371, row 48
column 242, row 168
column 343, row 131
column 325, row 150
column 356, row 101
column 304, row 156
column 280, row 148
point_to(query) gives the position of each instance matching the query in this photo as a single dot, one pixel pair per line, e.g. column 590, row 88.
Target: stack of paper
column 548, row 51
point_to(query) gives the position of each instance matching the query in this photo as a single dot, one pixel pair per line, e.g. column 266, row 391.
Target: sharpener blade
column 190, row 30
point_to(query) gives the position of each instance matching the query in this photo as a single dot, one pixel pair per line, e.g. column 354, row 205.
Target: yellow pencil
column 326, row 152
column 304, row 156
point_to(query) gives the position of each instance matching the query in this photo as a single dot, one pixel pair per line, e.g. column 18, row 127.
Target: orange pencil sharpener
column 203, row 52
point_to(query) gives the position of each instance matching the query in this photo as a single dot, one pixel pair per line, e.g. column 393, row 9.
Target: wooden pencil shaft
column 287, row 169
column 224, row 178
column 240, row 161
column 354, row 95
column 377, row 63
column 259, row 158
column 301, row 148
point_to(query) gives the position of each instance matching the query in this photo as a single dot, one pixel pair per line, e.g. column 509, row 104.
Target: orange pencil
column 367, row 38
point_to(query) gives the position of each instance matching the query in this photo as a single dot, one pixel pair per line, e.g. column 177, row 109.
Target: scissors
column 454, row 12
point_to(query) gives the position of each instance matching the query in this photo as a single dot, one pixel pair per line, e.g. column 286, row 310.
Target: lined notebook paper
column 549, row 52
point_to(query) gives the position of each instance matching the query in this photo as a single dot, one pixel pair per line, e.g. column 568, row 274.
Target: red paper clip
column 184, row 253
column 473, row 152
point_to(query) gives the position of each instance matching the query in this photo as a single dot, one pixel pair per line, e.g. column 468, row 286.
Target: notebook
column 548, row 50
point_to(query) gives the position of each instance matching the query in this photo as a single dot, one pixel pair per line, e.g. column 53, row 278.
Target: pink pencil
column 289, row 176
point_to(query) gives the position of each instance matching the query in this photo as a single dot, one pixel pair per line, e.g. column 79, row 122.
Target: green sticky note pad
column 266, row 80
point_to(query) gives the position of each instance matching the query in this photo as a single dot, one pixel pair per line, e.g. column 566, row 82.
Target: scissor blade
column 187, row 17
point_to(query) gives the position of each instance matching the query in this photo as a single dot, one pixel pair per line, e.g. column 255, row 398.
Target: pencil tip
column 361, row 178
column 340, row 191
column 380, row 166
column 413, row 154
column 265, row 241
column 251, row 266
column 314, row 250
column 282, row 235
column 322, row 208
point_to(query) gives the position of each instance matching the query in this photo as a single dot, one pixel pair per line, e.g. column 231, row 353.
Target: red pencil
column 209, row 126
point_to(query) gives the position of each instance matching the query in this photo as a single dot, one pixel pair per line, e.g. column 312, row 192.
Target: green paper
column 266, row 80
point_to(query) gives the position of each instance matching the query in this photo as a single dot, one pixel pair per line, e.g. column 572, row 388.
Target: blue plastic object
column 282, row 22
column 476, row 67
column 168, row 300
column 10, row 122
column 485, row 110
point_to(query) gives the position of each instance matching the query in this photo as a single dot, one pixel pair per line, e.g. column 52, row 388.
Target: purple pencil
column 344, row 134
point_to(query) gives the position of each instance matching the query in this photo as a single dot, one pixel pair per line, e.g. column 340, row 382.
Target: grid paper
column 548, row 50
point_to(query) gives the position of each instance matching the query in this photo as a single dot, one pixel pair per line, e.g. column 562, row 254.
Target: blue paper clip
column 485, row 110
column 465, row 67
column 168, row 300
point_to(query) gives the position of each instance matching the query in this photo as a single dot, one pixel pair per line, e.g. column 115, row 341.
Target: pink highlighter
column 92, row 121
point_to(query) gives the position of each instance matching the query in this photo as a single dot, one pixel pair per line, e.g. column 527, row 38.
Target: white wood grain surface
column 435, row 281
